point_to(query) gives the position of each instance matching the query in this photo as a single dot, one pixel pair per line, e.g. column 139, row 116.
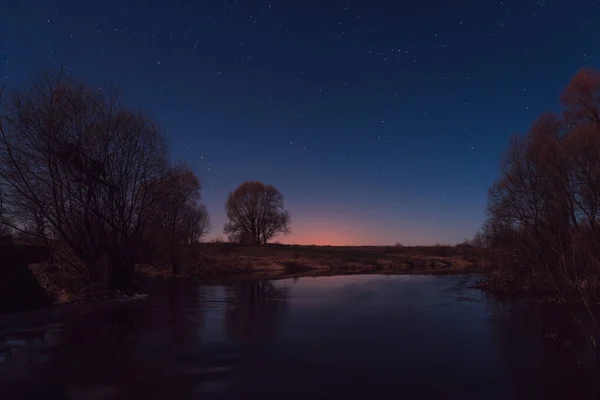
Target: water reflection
column 422, row 337
column 254, row 310
column 559, row 346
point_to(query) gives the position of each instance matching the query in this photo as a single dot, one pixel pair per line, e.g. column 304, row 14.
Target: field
column 222, row 261
column 276, row 261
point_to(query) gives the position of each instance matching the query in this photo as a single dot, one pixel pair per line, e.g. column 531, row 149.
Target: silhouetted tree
column 196, row 223
column 255, row 213
column 546, row 205
column 5, row 230
column 178, row 216
column 71, row 153
column 478, row 240
column 240, row 237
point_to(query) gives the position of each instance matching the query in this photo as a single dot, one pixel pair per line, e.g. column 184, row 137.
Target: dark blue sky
column 379, row 121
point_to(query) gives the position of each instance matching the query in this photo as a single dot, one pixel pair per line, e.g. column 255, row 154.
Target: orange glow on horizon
column 331, row 233
column 322, row 239
column 352, row 230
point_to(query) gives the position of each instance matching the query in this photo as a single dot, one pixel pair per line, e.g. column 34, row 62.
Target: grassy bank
column 219, row 260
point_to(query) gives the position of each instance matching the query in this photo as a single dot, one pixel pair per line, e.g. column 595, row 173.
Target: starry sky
column 379, row 121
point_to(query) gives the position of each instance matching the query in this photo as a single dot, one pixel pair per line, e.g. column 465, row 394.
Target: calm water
column 331, row 337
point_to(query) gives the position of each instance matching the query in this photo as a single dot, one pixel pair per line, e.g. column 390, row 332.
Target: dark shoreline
column 227, row 278
column 224, row 279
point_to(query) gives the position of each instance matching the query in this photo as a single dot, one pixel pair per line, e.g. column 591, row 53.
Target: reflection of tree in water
column 148, row 346
column 184, row 314
column 254, row 308
column 99, row 342
column 547, row 343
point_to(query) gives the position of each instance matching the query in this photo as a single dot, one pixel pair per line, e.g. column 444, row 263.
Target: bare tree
column 196, row 224
column 581, row 98
column 5, row 230
column 255, row 213
column 71, row 153
column 545, row 207
column 546, row 204
column 240, row 238
column 178, row 216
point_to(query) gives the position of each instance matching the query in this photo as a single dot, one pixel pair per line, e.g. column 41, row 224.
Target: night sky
column 379, row 121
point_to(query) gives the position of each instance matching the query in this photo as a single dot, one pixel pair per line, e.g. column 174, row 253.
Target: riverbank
column 214, row 262
column 219, row 260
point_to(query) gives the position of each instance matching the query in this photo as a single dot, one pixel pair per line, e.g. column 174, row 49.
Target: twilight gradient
column 380, row 121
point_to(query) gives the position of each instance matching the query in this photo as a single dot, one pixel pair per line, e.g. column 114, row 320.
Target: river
column 341, row 337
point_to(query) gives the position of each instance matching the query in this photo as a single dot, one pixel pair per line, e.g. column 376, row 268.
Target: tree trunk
column 121, row 273
column 175, row 269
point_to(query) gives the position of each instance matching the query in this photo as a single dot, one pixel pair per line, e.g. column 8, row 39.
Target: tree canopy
column 546, row 203
column 78, row 166
column 255, row 213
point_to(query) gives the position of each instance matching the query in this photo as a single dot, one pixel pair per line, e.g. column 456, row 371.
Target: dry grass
column 55, row 281
column 218, row 260
column 226, row 259
column 222, row 260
